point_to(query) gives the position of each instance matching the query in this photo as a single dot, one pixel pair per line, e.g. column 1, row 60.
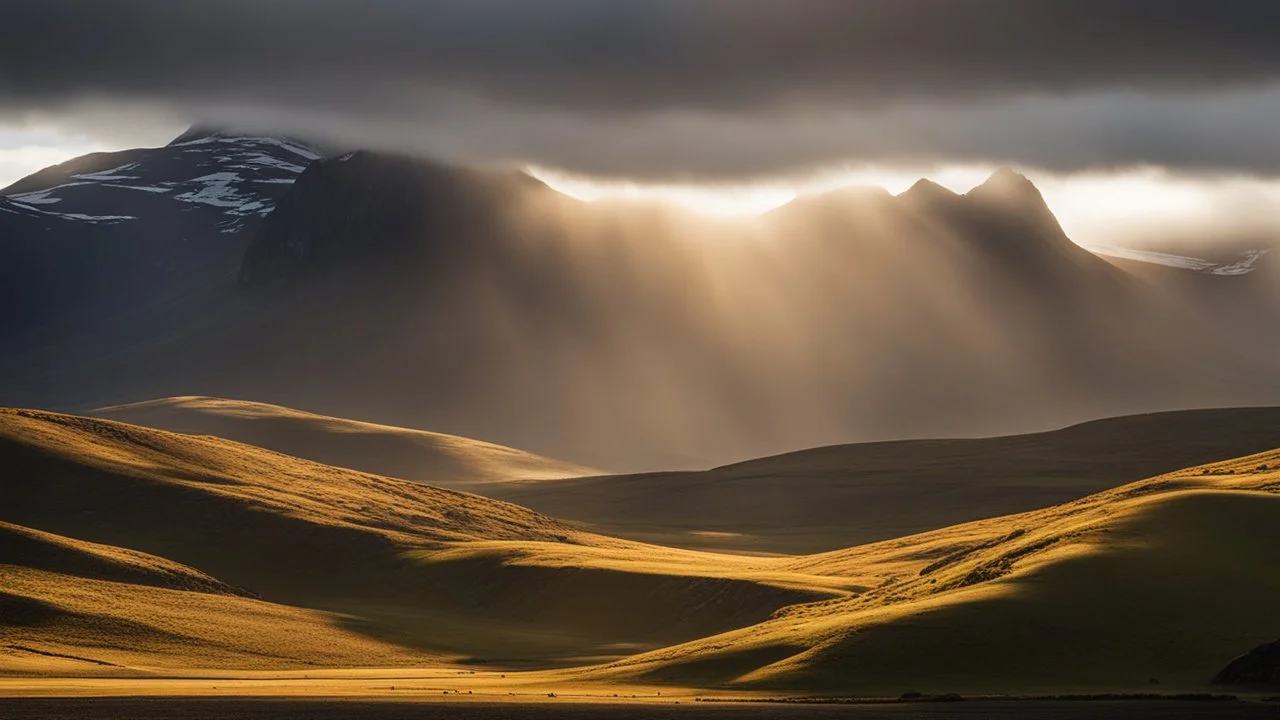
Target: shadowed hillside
column 444, row 460
column 1161, row 581
column 843, row 495
column 131, row 549
column 69, row 607
column 451, row 573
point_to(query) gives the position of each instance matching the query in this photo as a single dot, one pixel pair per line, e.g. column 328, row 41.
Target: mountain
column 85, row 238
column 631, row 336
column 1239, row 297
column 442, row 460
column 237, row 177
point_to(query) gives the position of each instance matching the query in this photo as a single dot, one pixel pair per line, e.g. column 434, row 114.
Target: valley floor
column 142, row 563
column 186, row 708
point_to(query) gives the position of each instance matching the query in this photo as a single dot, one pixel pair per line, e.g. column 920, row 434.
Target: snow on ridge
column 294, row 148
column 44, row 197
column 217, row 190
column 1156, row 258
column 1241, row 267
column 112, row 174
column 74, row 216
column 290, row 146
column 239, row 177
column 224, row 190
column 143, row 188
column 264, row 160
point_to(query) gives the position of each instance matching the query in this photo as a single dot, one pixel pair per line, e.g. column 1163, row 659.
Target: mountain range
column 616, row 335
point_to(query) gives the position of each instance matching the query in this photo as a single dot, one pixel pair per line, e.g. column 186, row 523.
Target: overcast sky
column 1176, row 99
column 671, row 87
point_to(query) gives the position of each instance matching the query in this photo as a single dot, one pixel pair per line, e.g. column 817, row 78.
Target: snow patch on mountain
column 44, row 197
column 218, row 190
column 239, row 177
column 142, row 188
column 115, row 173
column 233, row 139
column 1243, row 266
column 82, row 217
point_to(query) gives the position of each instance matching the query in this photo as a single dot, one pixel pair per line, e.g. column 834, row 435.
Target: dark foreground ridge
column 1260, row 667
column 178, row 708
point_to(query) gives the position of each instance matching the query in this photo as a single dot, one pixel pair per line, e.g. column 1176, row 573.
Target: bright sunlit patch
column 1152, row 204
column 1096, row 209
column 716, row 200
column 958, row 178
column 755, row 198
column 23, row 152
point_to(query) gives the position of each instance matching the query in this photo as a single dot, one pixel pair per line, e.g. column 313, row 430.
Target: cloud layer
column 663, row 87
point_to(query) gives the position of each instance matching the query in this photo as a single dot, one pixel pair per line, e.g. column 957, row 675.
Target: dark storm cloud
column 598, row 68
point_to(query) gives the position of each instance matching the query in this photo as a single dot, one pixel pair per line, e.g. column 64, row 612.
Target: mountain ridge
column 487, row 305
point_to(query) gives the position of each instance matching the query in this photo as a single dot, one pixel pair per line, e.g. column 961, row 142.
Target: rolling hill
column 136, row 551
column 435, row 458
column 199, row 522
column 69, row 607
column 824, row 498
column 1156, row 584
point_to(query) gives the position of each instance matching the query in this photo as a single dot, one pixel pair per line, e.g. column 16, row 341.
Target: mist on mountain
column 638, row 335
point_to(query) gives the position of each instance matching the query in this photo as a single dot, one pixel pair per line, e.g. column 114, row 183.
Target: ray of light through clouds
column 1124, row 207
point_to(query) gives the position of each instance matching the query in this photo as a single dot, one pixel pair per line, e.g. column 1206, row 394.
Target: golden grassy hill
column 436, row 571
column 436, row 458
column 838, row 496
column 1162, row 580
column 70, row 607
column 239, row 557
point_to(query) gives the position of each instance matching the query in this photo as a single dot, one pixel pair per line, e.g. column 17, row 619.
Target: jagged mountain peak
column 1008, row 186
column 926, row 189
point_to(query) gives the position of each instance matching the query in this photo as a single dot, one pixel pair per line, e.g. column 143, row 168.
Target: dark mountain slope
column 87, row 239
column 635, row 336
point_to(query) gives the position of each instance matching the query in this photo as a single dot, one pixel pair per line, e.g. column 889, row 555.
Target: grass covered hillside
column 1155, row 585
column 436, row 571
column 436, row 458
column 128, row 551
column 843, row 495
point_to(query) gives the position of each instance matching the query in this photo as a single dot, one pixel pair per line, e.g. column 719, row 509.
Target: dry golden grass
column 1164, row 579
column 443, row 572
column 436, row 458
column 66, row 625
